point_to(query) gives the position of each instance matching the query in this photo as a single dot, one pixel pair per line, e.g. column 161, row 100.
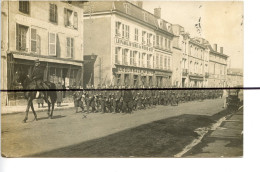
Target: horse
column 30, row 92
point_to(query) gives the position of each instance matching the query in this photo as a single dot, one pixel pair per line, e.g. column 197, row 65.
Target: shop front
column 59, row 71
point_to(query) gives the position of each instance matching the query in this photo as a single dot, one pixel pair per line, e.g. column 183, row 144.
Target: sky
column 221, row 23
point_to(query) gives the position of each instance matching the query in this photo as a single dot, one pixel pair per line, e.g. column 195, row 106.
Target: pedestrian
column 77, row 96
column 224, row 96
column 59, row 94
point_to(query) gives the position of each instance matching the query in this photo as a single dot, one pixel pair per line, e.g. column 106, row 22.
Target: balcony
column 184, row 72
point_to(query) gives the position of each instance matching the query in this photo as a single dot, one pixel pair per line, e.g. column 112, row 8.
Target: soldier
column 37, row 77
column 127, row 101
column 77, row 96
column 88, row 98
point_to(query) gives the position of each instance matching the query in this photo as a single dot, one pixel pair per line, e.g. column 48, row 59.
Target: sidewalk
column 225, row 141
column 22, row 108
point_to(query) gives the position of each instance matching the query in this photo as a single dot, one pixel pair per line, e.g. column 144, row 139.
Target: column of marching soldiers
column 126, row 100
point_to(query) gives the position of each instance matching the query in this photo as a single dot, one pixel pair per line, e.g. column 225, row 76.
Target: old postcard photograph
column 122, row 79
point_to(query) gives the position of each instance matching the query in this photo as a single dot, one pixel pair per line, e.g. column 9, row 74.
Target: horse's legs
column 35, row 115
column 49, row 106
column 52, row 108
column 29, row 101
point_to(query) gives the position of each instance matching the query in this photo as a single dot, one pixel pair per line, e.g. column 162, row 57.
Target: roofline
column 215, row 52
column 128, row 16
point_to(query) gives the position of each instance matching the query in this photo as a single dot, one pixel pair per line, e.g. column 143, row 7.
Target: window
column 157, row 40
column 143, row 57
column 147, row 38
column 154, row 61
column 149, row 61
column 127, row 31
column 136, row 34
column 165, row 43
column 165, row 63
column 21, row 37
column 124, row 53
column 161, row 62
column 70, row 18
column 157, row 61
column 145, row 16
column 118, row 24
column 169, row 63
column 143, row 37
column 53, row 13
column 52, row 44
column 169, row 44
column 123, row 30
column 70, row 47
column 153, row 40
column 139, row 59
column 75, row 20
column 161, row 43
column 127, row 8
column 131, row 57
column 135, row 58
column 117, row 55
column 24, row 6
column 33, row 40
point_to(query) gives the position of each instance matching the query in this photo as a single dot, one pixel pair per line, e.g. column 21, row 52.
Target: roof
column 133, row 11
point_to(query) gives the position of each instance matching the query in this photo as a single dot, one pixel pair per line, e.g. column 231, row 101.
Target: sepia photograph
column 122, row 79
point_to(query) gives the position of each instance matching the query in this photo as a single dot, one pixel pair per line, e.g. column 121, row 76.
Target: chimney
column 221, row 50
column 215, row 47
column 157, row 12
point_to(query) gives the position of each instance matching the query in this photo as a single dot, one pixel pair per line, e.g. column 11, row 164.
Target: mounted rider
column 37, row 77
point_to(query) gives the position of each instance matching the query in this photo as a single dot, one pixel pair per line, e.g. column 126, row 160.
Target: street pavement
column 69, row 128
column 225, row 141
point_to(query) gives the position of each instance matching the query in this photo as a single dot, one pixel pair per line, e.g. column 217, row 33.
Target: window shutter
column 33, row 40
column 75, row 20
column 68, row 47
column 18, row 37
column 72, row 47
column 65, row 17
column 56, row 13
column 52, row 44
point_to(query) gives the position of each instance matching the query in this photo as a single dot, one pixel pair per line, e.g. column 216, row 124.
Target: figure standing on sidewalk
column 224, row 96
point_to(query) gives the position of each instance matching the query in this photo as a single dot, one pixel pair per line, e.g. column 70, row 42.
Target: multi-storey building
column 195, row 61
column 234, row 77
column 133, row 46
column 49, row 31
column 178, row 67
column 217, row 67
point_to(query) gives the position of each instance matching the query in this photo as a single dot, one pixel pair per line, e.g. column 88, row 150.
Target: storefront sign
column 133, row 44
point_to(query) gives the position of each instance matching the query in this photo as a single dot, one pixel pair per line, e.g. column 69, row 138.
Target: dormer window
column 160, row 23
column 145, row 16
column 169, row 27
column 127, row 8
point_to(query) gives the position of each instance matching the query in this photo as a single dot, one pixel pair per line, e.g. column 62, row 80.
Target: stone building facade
column 133, row 46
column 49, row 31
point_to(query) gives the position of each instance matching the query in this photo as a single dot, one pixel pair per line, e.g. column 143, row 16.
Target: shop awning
column 50, row 60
